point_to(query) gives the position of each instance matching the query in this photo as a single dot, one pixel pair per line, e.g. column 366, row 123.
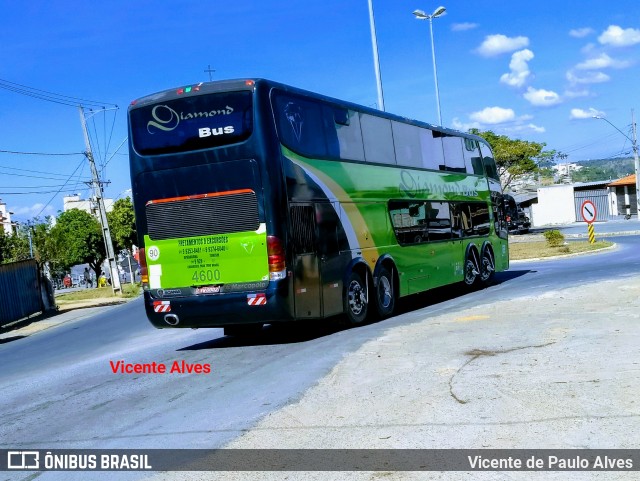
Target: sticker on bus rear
column 212, row 260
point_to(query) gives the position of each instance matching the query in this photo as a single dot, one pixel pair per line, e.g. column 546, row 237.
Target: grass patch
column 128, row 290
column 533, row 250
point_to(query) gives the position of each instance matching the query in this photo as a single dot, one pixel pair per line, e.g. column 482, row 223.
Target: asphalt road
column 57, row 388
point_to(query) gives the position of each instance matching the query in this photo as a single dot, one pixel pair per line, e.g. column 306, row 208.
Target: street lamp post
column 636, row 160
column 376, row 60
column 421, row 15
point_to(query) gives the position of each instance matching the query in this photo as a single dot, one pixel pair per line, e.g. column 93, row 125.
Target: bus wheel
column 470, row 272
column 487, row 266
column 243, row 330
column 355, row 299
column 385, row 295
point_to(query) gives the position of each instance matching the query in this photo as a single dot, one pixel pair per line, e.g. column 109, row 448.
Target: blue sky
column 532, row 70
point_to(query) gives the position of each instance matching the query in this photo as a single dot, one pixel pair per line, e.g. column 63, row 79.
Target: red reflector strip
column 162, row 306
column 256, row 299
column 200, row 196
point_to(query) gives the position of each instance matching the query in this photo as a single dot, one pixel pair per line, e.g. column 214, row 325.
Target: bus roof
column 250, row 83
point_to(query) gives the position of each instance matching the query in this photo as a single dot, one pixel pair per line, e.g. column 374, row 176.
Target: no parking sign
column 588, row 211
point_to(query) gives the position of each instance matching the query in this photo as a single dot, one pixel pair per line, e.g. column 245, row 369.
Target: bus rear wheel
column 470, row 272
column 487, row 267
column 385, row 294
column 356, row 299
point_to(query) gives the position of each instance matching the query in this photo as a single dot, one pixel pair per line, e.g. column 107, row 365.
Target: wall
column 555, row 206
column 20, row 288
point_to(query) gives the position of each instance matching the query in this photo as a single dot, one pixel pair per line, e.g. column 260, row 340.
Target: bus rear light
column 144, row 275
column 277, row 264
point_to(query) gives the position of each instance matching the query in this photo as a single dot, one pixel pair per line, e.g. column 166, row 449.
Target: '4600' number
column 206, row 275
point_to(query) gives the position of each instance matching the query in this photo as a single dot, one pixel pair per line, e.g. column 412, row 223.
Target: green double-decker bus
column 257, row 202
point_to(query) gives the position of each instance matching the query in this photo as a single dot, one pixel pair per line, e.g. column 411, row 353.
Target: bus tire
column 385, row 294
column 355, row 299
column 470, row 271
column 487, row 266
column 243, row 330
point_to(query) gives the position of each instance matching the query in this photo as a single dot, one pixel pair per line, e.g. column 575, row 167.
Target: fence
column 19, row 291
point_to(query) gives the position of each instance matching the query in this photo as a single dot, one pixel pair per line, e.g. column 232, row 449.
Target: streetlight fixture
column 421, row 15
column 376, row 61
column 636, row 160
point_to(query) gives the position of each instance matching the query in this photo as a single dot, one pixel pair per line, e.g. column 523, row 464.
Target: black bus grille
column 220, row 214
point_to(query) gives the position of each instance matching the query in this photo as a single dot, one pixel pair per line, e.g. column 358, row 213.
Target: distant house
column 624, row 195
column 75, row 202
column 5, row 219
column 561, row 204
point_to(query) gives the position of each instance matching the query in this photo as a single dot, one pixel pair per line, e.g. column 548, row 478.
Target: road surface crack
column 478, row 353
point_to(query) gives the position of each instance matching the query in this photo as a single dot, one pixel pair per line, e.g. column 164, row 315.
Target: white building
column 5, row 218
column 75, row 202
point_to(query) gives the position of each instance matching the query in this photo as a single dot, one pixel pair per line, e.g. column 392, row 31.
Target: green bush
column 555, row 238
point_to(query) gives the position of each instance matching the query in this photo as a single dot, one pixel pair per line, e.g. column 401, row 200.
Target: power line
column 39, row 153
column 49, row 96
column 54, row 196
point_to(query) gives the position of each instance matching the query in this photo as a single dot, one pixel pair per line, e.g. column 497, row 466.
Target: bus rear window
column 192, row 123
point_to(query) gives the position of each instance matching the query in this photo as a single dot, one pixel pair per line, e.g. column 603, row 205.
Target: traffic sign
column 588, row 211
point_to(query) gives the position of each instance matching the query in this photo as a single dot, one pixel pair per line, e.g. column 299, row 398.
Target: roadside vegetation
column 540, row 249
column 128, row 291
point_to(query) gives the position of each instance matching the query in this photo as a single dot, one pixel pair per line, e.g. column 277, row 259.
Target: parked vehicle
column 517, row 220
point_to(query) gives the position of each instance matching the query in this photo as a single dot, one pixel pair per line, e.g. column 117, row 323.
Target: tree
column 77, row 239
column 122, row 223
column 516, row 158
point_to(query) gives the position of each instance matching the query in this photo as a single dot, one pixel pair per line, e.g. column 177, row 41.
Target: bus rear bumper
column 217, row 310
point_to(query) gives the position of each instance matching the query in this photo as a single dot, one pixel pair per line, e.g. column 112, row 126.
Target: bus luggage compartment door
column 306, row 270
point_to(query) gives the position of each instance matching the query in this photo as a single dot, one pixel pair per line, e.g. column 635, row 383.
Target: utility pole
column 636, row 162
column 209, row 71
column 97, row 192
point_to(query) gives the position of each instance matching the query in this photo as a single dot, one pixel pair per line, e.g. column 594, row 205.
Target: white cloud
column 464, row 127
column 30, row 212
column 585, row 114
column 512, row 127
column 461, row 27
column 572, row 94
column 587, row 77
column 498, row 44
column 581, row 32
column 524, row 128
column 618, row 37
column 519, row 69
column 493, row 115
column 602, row 61
column 541, row 97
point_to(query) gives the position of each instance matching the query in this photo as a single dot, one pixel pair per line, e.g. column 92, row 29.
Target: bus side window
column 344, row 137
column 406, row 139
column 377, row 139
column 409, row 221
column 453, row 154
column 439, row 220
column 480, row 218
column 300, row 125
column 472, row 157
column 431, row 146
column 489, row 163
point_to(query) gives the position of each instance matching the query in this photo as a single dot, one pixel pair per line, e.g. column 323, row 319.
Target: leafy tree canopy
column 516, row 158
column 77, row 236
column 122, row 224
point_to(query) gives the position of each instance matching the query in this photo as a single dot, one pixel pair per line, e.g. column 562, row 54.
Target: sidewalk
column 68, row 312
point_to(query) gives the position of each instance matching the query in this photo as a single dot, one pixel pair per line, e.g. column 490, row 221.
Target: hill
column 603, row 169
